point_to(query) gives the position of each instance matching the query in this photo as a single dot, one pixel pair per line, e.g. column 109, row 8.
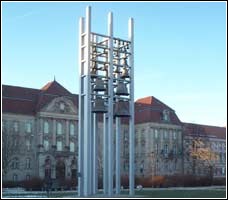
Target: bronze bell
column 125, row 73
column 122, row 109
column 93, row 70
column 99, row 85
column 122, row 89
column 99, row 106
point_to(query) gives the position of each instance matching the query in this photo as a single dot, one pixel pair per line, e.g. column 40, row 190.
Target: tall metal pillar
column 95, row 155
column 81, row 109
column 110, row 105
column 132, row 113
column 118, row 145
column 118, row 125
column 105, row 155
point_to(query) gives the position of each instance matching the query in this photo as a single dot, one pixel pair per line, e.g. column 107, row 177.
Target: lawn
column 181, row 193
column 145, row 193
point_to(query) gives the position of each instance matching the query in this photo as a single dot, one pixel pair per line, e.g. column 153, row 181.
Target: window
column 46, row 127
column 47, row 170
column 165, row 115
column 126, row 166
column 3, row 125
column 142, row 167
column 220, row 157
column 15, row 126
column 62, row 106
column 71, row 146
column 28, row 144
column 156, row 148
column 175, row 149
column 28, row 163
column 59, row 128
column 174, row 135
column 27, row 177
column 156, row 133
column 15, row 178
column 166, row 149
column 15, row 163
column 59, row 146
column 223, row 170
column 46, row 145
column 71, row 129
column 165, row 134
column 28, row 127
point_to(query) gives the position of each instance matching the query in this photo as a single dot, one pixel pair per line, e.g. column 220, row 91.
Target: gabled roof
column 150, row 109
column 55, row 88
column 28, row 101
column 191, row 129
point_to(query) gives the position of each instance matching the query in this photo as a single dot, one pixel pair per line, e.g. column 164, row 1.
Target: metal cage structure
column 106, row 70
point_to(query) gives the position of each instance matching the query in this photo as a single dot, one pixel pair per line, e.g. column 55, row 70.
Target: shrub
column 219, row 181
column 69, row 184
column 158, row 181
column 155, row 181
column 10, row 184
column 203, row 181
column 34, row 183
column 125, row 181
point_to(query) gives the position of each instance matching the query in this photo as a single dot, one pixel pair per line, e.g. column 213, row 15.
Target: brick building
column 40, row 132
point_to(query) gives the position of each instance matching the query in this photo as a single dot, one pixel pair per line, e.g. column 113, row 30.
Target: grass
column 182, row 193
column 148, row 193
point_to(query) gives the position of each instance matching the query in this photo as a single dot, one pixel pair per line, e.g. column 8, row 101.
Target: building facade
column 41, row 126
column 205, row 150
column 40, row 136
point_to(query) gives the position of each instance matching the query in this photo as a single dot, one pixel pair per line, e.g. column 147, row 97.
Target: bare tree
column 10, row 147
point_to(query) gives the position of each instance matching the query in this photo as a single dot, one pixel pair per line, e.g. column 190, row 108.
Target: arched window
column 15, row 177
column 27, row 177
column 71, row 129
column 47, row 167
column 59, row 145
column 28, row 144
column 174, row 135
column 15, row 163
column 59, row 128
column 46, row 127
column 71, row 146
column 28, row 127
column 165, row 134
column 28, row 163
column 46, row 145
column 156, row 133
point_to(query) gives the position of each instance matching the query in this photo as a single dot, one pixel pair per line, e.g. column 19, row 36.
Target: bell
column 122, row 109
column 99, row 85
column 125, row 73
column 122, row 89
column 93, row 71
column 99, row 106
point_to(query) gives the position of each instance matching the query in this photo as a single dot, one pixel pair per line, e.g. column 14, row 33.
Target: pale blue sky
column 180, row 50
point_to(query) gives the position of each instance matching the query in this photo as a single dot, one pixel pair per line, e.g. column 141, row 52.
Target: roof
column 150, row 109
column 55, row 88
column 28, row 101
column 191, row 129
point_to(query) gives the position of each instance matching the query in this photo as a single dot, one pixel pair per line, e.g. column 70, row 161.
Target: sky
column 180, row 50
